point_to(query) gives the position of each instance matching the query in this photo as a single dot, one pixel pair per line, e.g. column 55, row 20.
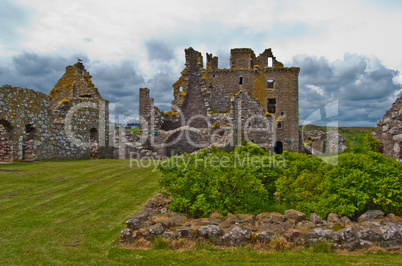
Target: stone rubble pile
column 372, row 228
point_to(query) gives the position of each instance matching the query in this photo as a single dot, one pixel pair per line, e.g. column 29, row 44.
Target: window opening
column 272, row 105
column 270, row 62
column 270, row 83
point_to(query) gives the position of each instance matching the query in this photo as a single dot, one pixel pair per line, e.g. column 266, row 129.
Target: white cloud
column 315, row 88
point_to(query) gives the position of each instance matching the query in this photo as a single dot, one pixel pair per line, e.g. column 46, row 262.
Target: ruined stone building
column 389, row 131
column 69, row 123
column 256, row 99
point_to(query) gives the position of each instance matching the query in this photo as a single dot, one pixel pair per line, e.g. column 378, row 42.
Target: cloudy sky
column 349, row 51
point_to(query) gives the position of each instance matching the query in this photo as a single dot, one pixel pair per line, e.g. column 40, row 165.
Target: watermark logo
column 325, row 146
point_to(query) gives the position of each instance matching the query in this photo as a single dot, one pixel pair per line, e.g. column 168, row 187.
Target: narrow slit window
column 241, row 80
column 279, row 125
column 272, row 105
column 270, row 83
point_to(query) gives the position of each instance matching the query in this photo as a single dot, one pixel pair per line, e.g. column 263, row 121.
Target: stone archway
column 6, row 141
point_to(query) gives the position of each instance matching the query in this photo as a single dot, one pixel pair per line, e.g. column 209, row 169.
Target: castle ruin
column 255, row 100
column 69, row 123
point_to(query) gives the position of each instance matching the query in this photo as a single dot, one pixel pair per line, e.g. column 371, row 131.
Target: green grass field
column 72, row 212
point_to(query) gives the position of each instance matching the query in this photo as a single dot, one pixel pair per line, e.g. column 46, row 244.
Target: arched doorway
column 278, row 148
column 6, row 141
column 28, row 153
column 94, row 143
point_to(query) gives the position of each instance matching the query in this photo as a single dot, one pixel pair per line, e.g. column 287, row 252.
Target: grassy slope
column 71, row 212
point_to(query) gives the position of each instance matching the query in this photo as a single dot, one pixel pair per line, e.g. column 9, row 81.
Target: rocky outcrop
column 389, row 131
column 155, row 220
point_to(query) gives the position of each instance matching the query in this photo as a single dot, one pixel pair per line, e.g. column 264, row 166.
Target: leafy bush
column 359, row 182
column 244, row 181
column 237, row 182
column 371, row 144
column 302, row 182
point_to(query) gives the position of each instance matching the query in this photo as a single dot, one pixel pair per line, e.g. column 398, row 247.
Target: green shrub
column 358, row 183
column 244, row 181
column 237, row 182
column 371, row 144
column 302, row 182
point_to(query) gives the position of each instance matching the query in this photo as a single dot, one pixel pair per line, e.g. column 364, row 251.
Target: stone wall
column 35, row 126
column 370, row 229
column 389, row 131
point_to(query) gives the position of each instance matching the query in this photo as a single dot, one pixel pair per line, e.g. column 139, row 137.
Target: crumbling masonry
column 389, row 131
column 69, row 123
column 255, row 100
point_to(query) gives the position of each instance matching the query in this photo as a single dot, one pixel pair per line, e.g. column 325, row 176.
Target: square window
column 270, row 83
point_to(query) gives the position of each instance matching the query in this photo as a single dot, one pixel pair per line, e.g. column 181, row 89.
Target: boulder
column 347, row 238
column 369, row 215
column 318, row 234
column 295, row 215
column 156, row 229
column 178, row 219
column 315, row 219
column 237, row 236
column 293, row 235
column 334, row 218
column 272, row 217
column 134, row 223
column 265, row 236
column 210, row 232
column 246, row 218
column 346, row 221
